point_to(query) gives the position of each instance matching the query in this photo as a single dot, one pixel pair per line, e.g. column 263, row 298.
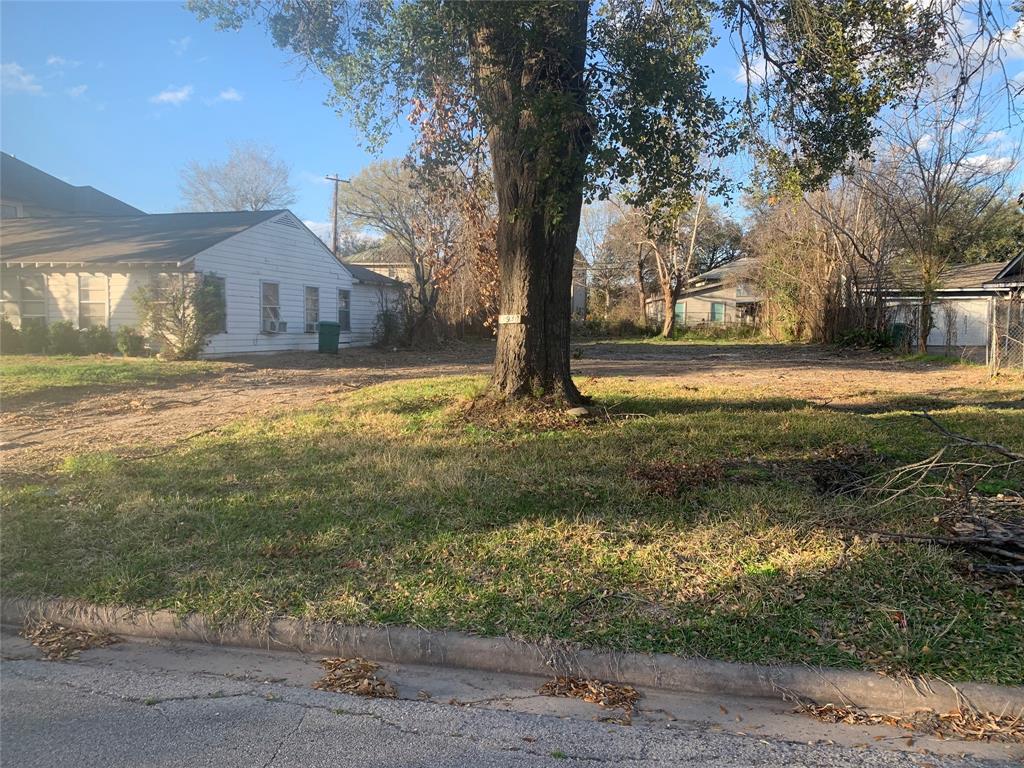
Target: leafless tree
column 251, row 179
column 385, row 198
column 941, row 173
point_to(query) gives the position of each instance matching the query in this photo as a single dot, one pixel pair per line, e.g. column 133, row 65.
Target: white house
column 964, row 311
column 279, row 278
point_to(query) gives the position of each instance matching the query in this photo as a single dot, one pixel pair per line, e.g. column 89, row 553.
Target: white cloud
column 14, row 78
column 180, row 45
column 53, row 60
column 314, row 178
column 989, row 163
column 755, row 74
column 173, row 95
column 229, row 94
column 77, row 91
column 321, row 229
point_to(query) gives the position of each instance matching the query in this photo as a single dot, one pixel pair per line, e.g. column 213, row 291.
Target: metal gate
column 1007, row 338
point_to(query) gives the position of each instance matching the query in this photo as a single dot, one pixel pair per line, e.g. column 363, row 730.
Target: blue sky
column 122, row 95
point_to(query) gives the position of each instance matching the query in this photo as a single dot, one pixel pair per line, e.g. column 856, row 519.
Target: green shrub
column 391, row 328
column 182, row 313
column 130, row 342
column 10, row 338
column 595, row 328
column 35, row 337
column 97, row 340
column 64, row 339
column 717, row 332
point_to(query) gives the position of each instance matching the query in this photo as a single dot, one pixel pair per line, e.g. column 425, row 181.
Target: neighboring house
column 387, row 259
column 964, row 307
column 26, row 191
column 279, row 278
column 391, row 260
column 725, row 295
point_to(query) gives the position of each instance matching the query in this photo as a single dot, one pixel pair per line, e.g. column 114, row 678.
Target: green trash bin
column 900, row 336
column 329, row 335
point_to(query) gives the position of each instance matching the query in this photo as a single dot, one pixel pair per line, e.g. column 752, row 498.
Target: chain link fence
column 1007, row 337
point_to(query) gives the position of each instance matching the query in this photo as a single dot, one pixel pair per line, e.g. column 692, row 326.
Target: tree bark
column 670, row 295
column 642, row 291
column 539, row 186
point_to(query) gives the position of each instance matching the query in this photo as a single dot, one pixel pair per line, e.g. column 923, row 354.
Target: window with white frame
column 92, row 300
column 312, row 309
column 32, row 302
column 270, row 308
column 345, row 310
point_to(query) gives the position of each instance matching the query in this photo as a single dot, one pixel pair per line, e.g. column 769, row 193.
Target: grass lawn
column 27, row 375
column 391, row 507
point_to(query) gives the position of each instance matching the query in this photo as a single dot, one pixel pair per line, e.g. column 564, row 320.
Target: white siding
column 970, row 318
column 367, row 302
column 279, row 251
column 62, row 294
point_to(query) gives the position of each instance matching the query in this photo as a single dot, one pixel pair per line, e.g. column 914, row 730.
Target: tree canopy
column 251, row 179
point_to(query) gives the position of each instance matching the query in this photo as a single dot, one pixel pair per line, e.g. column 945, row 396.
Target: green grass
column 390, row 508
column 26, row 375
column 931, row 357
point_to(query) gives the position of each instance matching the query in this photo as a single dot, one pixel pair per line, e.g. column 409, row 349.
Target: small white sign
column 509, row 319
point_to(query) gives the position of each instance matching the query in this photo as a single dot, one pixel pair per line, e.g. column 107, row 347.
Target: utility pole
column 334, row 226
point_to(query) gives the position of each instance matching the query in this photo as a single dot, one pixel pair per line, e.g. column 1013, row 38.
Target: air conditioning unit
column 275, row 326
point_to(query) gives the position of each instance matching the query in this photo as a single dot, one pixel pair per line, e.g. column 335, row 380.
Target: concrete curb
column 408, row 645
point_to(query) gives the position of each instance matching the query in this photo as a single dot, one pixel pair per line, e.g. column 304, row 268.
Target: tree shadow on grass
column 537, row 537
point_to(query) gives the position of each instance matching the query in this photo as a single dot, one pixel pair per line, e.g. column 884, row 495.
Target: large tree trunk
column 538, row 177
column 924, row 325
column 669, row 296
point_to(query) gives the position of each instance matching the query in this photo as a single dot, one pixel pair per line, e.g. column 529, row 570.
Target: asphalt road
column 60, row 714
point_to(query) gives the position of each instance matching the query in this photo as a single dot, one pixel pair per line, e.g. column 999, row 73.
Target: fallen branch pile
column 995, row 530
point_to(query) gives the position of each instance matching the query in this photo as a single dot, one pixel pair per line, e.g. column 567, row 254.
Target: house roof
column 1010, row 275
column 737, row 269
column 25, row 183
column 364, row 275
column 387, row 253
column 956, row 277
column 142, row 239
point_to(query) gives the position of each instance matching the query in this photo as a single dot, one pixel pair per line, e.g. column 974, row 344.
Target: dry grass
column 387, row 507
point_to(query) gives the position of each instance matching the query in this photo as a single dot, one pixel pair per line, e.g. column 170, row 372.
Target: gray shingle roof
column 27, row 184
column 141, row 239
column 364, row 275
column 388, row 253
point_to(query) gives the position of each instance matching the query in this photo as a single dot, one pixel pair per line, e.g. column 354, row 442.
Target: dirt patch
column 674, row 479
column 37, row 434
column 833, row 470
